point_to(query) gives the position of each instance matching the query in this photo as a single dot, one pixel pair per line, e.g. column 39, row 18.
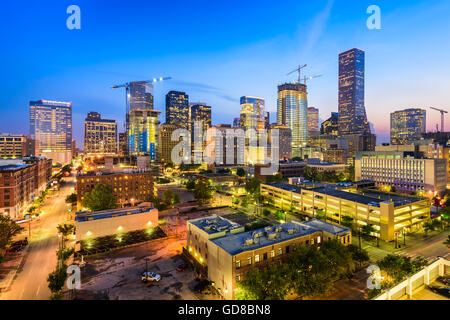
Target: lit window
column 249, row 261
column 257, row 258
column 238, row 264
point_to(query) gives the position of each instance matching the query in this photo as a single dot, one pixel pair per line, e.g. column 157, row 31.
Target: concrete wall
column 115, row 225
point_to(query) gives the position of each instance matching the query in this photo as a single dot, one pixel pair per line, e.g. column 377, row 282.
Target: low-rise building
column 220, row 178
column 90, row 225
column 387, row 213
column 399, row 170
column 129, row 187
column 327, row 166
column 290, row 169
column 225, row 253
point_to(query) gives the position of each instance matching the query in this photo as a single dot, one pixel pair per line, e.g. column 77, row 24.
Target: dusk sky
column 218, row 51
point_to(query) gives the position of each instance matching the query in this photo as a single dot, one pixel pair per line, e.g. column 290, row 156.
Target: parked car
column 181, row 267
column 150, row 276
column 441, row 290
column 445, row 280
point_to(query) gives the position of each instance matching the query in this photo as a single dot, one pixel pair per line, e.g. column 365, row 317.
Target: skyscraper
column 177, row 109
column 100, row 135
column 143, row 133
column 51, row 126
column 141, row 95
column 352, row 112
column 313, row 121
column 252, row 113
column 292, row 112
column 166, row 144
column 330, row 126
column 199, row 123
column 407, row 125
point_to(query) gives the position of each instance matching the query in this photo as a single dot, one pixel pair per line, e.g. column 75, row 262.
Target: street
column 30, row 282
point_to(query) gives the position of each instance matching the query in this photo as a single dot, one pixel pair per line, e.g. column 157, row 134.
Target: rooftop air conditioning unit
column 291, row 231
column 249, row 242
column 271, row 236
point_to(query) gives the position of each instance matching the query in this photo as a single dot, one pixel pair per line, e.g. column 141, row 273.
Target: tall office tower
column 236, row 122
column 313, row 121
column 141, row 95
column 267, row 121
column 177, row 109
column 292, row 112
column 407, row 125
column 13, row 146
column 200, row 116
column 252, row 113
column 100, row 135
column 51, row 126
column 143, row 133
column 166, row 144
column 284, row 145
column 352, row 112
column 123, row 145
column 330, row 126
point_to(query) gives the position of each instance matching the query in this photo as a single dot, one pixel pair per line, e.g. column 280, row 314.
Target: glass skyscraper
column 407, row 125
column 51, row 126
column 177, row 109
column 200, row 115
column 352, row 112
column 143, row 133
column 252, row 113
column 140, row 95
column 292, row 112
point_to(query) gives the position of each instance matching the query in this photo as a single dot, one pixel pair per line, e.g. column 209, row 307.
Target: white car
column 150, row 276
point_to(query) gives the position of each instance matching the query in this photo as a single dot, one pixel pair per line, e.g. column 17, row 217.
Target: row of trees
column 313, row 174
column 8, row 229
column 308, row 272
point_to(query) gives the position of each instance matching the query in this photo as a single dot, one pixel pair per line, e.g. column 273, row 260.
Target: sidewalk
column 10, row 267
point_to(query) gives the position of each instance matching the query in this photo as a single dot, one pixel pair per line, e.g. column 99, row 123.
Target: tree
column 240, row 172
column 100, row 198
column 190, row 185
column 72, row 199
column 320, row 214
column 368, row 229
column 351, row 173
column 445, row 214
column 244, row 203
column 252, row 187
column 437, row 224
column 8, row 229
column 65, row 229
column 428, row 226
column 274, row 178
column 358, row 255
column 447, row 242
column 203, row 192
column 56, row 279
column 398, row 267
column 170, row 198
column 235, row 200
column 347, row 222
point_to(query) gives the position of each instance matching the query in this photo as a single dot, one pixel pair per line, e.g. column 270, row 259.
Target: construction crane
column 299, row 70
column 442, row 116
column 128, row 84
column 305, row 79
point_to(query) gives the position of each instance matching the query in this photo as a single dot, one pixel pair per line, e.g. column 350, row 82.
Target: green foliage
column 57, row 278
column 347, row 222
column 447, row 242
column 266, row 212
column 8, row 229
column 190, row 185
column 163, row 180
column 203, row 192
column 398, row 267
column 66, row 229
column 372, row 293
column 157, row 202
column 280, row 215
column 71, row 199
column 274, row 178
column 244, row 203
column 320, row 214
column 170, row 198
column 252, row 187
column 235, row 200
column 358, row 255
column 65, row 253
column 100, row 198
column 240, row 172
column 368, row 229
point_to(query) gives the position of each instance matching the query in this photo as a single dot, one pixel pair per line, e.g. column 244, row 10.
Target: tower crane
column 299, row 70
column 442, row 116
column 305, row 79
column 127, row 88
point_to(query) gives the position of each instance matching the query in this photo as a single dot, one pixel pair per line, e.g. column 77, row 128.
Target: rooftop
column 371, row 198
column 83, row 216
column 13, row 166
column 251, row 240
column 101, row 173
column 214, row 224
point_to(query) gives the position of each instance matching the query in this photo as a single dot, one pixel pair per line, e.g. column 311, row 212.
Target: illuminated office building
column 100, row 135
column 284, row 145
column 123, row 144
column 12, row 146
column 407, row 125
column 143, row 133
column 252, row 113
column 177, row 109
column 313, row 121
column 352, row 112
column 330, row 126
column 51, row 126
column 292, row 112
column 166, row 144
column 199, row 123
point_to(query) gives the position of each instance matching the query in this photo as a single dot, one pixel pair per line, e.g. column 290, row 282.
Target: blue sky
column 217, row 51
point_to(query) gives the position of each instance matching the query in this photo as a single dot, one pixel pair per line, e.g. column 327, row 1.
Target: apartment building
column 129, row 187
column 225, row 252
column 386, row 212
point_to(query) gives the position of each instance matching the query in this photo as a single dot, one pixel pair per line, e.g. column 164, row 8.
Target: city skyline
column 223, row 71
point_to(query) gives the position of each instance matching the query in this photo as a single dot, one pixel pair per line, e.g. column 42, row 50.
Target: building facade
column 100, row 135
column 128, row 187
column 199, row 123
column 331, row 125
column 13, row 146
column 143, row 134
column 352, row 112
column 140, row 95
column 166, row 144
column 284, row 142
column 313, row 122
column 407, row 125
column 402, row 171
column 177, row 109
column 292, row 112
column 253, row 115
column 51, row 127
